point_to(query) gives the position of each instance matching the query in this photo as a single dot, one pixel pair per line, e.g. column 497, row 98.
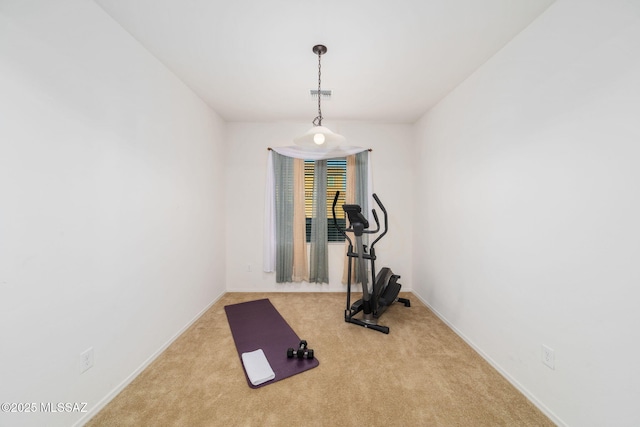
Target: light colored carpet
column 421, row 374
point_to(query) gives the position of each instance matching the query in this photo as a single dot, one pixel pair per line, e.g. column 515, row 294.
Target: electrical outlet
column 548, row 357
column 86, row 360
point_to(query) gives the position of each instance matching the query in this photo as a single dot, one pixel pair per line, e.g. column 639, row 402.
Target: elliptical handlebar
column 375, row 217
column 375, row 196
column 335, row 220
column 386, row 222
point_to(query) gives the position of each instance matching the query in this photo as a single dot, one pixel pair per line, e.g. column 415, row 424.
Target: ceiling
column 387, row 60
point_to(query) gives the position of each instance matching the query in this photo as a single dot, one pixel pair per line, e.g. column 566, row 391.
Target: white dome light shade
column 319, row 136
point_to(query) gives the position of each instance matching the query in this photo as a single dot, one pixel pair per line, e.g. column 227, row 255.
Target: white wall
column 111, row 218
column 530, row 199
column 247, row 161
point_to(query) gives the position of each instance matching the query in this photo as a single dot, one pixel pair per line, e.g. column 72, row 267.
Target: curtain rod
column 271, row 149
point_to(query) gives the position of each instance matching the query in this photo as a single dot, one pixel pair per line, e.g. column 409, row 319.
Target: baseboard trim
column 532, row 398
column 109, row 397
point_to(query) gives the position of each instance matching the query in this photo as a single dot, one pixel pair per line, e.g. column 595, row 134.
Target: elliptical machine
column 385, row 287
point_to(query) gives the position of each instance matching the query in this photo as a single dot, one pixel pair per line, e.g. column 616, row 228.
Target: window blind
column 336, row 181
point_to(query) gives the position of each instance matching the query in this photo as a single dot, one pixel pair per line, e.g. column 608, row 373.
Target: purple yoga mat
column 257, row 324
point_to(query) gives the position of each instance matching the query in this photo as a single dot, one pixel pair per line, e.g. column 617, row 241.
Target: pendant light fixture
column 318, row 135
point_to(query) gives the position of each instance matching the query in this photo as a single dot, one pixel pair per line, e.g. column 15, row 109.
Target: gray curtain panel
column 362, row 199
column 283, row 167
column 319, row 251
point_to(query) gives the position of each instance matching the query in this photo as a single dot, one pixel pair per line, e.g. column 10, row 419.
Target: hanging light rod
column 319, row 135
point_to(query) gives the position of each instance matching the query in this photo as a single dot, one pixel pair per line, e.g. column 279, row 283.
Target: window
column 336, row 181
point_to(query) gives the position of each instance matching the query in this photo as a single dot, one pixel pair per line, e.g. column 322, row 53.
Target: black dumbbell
column 301, row 353
column 306, row 354
column 293, row 353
